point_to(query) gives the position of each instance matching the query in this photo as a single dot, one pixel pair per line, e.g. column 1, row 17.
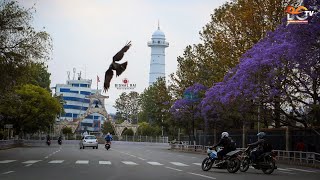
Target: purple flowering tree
column 280, row 73
column 187, row 110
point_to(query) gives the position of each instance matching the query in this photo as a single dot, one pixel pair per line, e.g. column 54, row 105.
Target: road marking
column 56, row 161
column 8, row 172
column 202, row 175
column 173, row 168
column 141, row 158
column 178, row 164
column 28, row 165
column 193, row 157
column 132, row 155
column 31, row 161
column 303, row 170
column 198, row 164
column 155, row 163
column 281, row 169
column 104, row 162
column 286, row 172
column 7, row 161
column 129, row 163
column 82, row 162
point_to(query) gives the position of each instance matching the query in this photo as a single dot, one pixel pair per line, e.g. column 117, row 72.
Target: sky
column 86, row 34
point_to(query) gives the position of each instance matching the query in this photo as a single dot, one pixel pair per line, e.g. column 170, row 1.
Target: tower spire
column 158, row 25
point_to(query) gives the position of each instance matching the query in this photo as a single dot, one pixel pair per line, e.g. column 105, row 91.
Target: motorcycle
column 48, row 142
column 265, row 162
column 107, row 145
column 59, row 141
column 230, row 161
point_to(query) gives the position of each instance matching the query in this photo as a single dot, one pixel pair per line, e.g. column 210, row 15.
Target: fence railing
column 295, row 157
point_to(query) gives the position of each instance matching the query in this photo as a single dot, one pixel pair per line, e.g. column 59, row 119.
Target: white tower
column 157, row 64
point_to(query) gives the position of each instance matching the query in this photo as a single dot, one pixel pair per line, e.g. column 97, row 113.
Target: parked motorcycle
column 107, row 145
column 266, row 161
column 48, row 142
column 231, row 161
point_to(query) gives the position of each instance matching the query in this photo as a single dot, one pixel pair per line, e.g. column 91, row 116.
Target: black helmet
column 261, row 135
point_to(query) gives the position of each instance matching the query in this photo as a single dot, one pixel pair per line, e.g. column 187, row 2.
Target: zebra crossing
column 102, row 162
column 131, row 163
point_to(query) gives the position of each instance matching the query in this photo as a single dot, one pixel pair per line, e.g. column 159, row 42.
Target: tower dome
column 158, row 34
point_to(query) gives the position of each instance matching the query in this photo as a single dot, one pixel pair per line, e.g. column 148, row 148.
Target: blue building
column 75, row 94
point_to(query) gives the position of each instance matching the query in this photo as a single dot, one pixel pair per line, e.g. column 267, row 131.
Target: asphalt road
column 124, row 161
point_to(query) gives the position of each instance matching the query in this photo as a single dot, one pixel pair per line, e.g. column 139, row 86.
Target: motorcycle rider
column 48, row 139
column 60, row 139
column 108, row 138
column 227, row 143
column 259, row 146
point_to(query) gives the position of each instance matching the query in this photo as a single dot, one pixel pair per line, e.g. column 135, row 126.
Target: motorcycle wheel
column 244, row 166
column 271, row 163
column 207, row 164
column 233, row 165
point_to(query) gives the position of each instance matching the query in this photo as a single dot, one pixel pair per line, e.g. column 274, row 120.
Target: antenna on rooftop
column 68, row 72
column 74, row 73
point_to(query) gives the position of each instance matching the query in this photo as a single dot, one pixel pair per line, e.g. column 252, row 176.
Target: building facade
column 158, row 44
column 75, row 94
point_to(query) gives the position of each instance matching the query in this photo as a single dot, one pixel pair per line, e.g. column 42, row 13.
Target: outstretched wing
column 120, row 54
column 121, row 68
column 107, row 78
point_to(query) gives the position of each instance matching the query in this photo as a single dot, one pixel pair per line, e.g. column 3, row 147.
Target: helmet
column 261, row 135
column 224, row 134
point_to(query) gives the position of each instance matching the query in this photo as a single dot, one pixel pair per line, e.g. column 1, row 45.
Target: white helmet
column 224, row 134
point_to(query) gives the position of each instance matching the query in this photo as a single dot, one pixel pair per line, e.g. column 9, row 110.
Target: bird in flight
column 119, row 68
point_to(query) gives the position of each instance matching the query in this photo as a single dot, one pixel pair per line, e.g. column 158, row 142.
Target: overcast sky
column 86, row 35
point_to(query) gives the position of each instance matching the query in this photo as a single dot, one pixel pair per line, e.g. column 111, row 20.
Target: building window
column 76, row 92
column 158, row 42
column 83, row 85
column 85, row 92
column 64, row 90
column 75, row 85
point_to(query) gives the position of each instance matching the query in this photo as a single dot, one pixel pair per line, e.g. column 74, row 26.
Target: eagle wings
column 118, row 67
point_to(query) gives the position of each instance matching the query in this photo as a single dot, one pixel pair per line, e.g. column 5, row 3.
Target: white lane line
column 82, row 162
column 8, row 172
column 28, row 165
column 281, row 169
column 303, row 170
column 198, row 164
column 129, row 163
column 141, row 158
column 178, row 164
column 202, row 175
column 173, row 168
column 193, row 157
column 7, row 161
column 31, row 161
column 105, row 162
column 133, row 155
column 46, row 157
column 155, row 163
column 286, row 172
column 56, row 161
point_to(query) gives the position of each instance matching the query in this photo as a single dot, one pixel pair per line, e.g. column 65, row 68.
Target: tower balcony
column 158, row 43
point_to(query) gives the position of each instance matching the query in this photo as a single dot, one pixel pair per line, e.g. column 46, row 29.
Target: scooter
column 107, row 145
column 230, row 161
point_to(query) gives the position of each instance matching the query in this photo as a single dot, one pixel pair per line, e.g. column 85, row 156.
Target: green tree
column 66, row 130
column 145, row 129
column 22, row 49
column 127, row 106
column 155, row 104
column 107, row 127
column 30, row 109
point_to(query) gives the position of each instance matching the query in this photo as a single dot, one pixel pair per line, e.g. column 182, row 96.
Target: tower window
column 158, row 42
